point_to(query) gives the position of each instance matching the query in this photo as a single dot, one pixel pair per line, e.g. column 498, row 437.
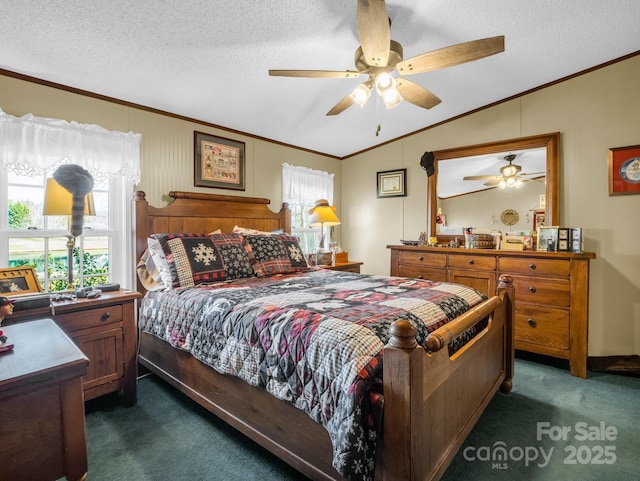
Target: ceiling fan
column 378, row 56
column 510, row 175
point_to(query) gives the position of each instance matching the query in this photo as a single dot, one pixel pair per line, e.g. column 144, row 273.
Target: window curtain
column 32, row 145
column 301, row 185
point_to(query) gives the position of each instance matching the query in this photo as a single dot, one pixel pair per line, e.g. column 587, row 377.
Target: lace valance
column 37, row 145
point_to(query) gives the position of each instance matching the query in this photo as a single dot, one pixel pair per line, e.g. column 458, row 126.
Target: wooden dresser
column 105, row 330
column 551, row 291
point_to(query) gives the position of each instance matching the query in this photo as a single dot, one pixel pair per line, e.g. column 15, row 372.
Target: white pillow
column 148, row 273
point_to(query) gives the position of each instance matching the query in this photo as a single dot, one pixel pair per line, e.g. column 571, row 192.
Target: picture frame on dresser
column 564, row 239
column 547, row 238
column 576, row 239
column 624, row 170
column 218, row 162
column 18, row 280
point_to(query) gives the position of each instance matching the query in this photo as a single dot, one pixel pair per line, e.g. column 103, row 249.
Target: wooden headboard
column 198, row 212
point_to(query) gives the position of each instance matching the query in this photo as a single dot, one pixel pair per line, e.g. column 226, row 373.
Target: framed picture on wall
column 539, row 218
column 218, row 162
column 392, row 183
column 624, row 170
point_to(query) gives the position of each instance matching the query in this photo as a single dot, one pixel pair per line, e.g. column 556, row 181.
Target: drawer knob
column 531, row 322
column 420, row 258
column 420, row 276
column 105, row 316
column 470, row 261
column 532, row 266
column 532, row 289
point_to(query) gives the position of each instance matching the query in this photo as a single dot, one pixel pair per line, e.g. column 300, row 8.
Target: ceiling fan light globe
column 509, row 170
column 361, row 94
column 391, row 98
column 502, row 184
column 384, row 83
column 518, row 183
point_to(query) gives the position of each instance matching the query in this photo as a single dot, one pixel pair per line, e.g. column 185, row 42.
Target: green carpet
column 166, row 436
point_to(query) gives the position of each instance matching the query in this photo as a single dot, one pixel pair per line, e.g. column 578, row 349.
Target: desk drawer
column 546, row 327
column 89, row 318
column 422, row 259
column 535, row 267
column 483, row 263
column 545, row 291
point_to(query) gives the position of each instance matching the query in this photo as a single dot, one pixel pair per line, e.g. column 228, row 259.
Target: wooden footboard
column 432, row 400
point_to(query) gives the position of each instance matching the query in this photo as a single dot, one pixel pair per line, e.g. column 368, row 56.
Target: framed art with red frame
column 624, row 170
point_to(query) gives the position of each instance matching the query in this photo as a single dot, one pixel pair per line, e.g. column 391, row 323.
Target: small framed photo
column 624, row 170
column 218, row 162
column 18, row 280
column 392, row 183
column 547, row 238
column 576, row 239
column 564, row 239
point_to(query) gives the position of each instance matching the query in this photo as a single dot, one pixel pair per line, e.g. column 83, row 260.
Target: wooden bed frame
column 432, row 401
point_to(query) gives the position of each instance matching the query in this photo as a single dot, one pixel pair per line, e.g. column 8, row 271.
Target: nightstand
column 349, row 266
column 104, row 329
column 42, row 427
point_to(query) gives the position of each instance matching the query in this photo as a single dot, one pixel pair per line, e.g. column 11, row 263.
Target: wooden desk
column 42, row 427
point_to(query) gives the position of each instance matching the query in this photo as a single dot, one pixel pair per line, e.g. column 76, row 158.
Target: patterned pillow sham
column 194, row 259
column 275, row 254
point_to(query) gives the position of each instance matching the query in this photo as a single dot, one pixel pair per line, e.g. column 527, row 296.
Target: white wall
column 593, row 112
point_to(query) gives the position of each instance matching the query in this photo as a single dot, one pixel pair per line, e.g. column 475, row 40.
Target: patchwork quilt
column 314, row 339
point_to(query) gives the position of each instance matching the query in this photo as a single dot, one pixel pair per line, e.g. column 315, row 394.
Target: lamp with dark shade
column 59, row 201
column 323, row 215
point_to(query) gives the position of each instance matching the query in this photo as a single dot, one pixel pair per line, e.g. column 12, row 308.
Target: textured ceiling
column 209, row 60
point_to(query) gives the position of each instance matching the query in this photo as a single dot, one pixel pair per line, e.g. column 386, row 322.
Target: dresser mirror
column 467, row 177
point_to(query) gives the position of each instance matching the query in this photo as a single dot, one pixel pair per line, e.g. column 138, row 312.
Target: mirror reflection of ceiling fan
column 379, row 56
column 510, row 175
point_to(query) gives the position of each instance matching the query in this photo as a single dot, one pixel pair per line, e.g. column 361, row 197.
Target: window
column 40, row 241
column 301, row 188
column 28, row 156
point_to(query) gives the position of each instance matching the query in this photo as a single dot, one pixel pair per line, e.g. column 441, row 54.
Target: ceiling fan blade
column 453, row 55
column 416, row 94
column 493, row 182
column 534, row 173
column 341, row 106
column 481, row 177
column 315, row 73
column 374, row 31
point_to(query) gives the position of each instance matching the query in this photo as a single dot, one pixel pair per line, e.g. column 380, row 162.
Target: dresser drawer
column 89, row 318
column 546, row 327
column 462, row 261
column 422, row 259
column 428, row 273
column 544, row 291
column 535, row 267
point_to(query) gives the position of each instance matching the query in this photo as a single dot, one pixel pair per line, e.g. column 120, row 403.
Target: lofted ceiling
column 209, row 60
